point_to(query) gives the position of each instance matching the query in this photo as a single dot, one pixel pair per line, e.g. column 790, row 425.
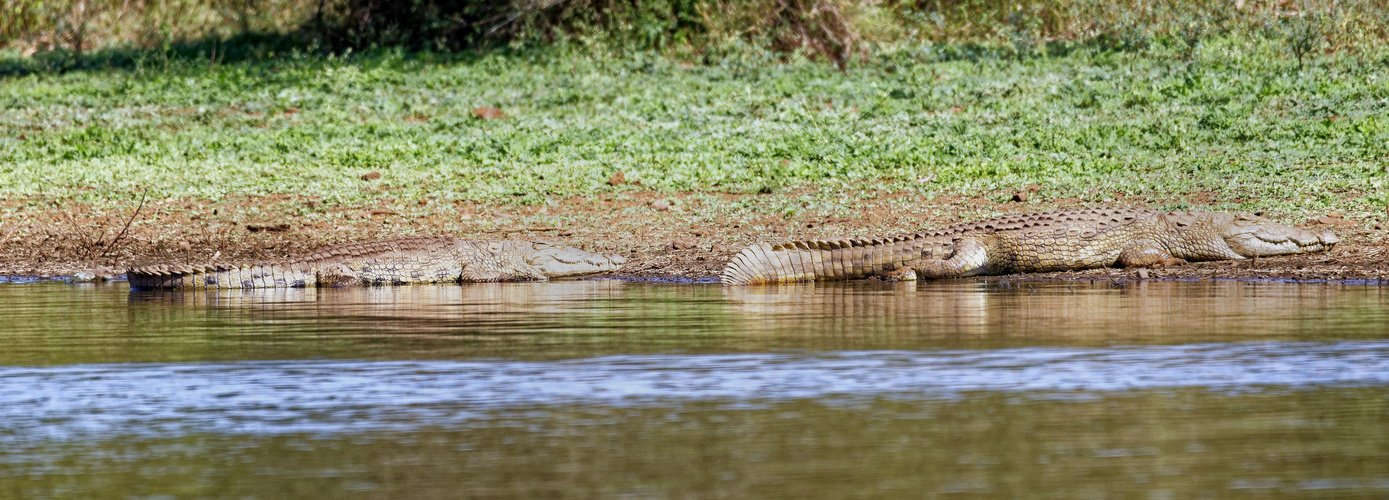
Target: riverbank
column 665, row 236
column 677, row 163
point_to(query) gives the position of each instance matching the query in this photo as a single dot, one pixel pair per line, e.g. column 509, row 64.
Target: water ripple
column 271, row 397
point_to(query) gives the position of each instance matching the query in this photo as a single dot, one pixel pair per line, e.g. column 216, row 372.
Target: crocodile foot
column 904, row 273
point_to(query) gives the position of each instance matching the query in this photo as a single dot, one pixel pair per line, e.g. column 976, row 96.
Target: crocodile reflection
column 1144, row 309
column 827, row 315
column 384, row 309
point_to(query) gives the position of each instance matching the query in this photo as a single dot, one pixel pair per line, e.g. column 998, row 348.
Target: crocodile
column 430, row 259
column 1072, row 239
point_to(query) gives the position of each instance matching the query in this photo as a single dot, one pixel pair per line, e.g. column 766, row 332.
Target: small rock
column 98, row 275
column 719, row 248
column 488, row 113
column 383, row 211
column 617, row 179
column 1021, row 196
column 684, row 243
column 371, row 176
column 660, row 205
column 1328, row 220
column 1143, row 274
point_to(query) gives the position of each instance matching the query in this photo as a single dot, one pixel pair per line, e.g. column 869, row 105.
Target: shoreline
column 672, row 237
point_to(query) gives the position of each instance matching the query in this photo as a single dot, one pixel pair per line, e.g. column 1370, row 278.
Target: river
column 608, row 388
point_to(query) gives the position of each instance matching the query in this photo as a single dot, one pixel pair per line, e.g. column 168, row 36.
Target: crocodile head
column 1253, row 236
column 556, row 261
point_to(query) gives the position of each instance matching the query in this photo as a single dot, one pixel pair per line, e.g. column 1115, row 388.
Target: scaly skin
column 1039, row 242
column 389, row 262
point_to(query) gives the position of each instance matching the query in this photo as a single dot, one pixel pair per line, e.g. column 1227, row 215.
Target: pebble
column 660, row 205
column 488, row 113
column 1021, row 196
column 371, row 176
column 684, row 243
column 617, row 179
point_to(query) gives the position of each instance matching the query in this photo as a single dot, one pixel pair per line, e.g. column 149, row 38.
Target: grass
column 1237, row 122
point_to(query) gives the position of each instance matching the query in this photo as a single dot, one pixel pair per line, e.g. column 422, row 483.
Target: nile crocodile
column 389, row 262
column 1038, row 242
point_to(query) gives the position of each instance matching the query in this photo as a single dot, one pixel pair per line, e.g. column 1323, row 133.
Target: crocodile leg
column 1146, row 253
column 969, row 258
column 479, row 272
column 339, row 275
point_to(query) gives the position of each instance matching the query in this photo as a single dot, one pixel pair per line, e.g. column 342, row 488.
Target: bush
column 831, row 30
column 826, row 28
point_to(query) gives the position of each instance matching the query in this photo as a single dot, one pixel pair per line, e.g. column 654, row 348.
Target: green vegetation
column 1290, row 117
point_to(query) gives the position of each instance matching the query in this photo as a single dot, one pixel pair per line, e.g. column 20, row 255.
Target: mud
column 675, row 238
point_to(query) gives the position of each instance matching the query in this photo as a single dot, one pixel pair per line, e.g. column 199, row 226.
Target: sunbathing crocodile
column 1039, row 242
column 389, row 262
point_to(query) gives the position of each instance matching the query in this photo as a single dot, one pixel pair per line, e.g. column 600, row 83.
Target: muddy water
column 613, row 389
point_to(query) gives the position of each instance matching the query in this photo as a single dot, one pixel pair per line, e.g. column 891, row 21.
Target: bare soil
column 675, row 237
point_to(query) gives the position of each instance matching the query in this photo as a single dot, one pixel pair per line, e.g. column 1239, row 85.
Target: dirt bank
column 665, row 236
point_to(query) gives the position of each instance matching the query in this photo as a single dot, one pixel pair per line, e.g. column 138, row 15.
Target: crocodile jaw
column 557, row 261
column 1253, row 236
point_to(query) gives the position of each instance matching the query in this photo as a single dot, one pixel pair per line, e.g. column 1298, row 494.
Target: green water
column 611, row 389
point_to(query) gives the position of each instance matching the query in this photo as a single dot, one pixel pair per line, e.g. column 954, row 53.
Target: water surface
column 609, row 388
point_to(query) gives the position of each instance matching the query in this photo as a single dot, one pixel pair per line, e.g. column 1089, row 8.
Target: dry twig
column 144, row 196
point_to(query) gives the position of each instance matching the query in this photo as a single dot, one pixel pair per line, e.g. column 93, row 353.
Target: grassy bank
column 1238, row 120
column 750, row 145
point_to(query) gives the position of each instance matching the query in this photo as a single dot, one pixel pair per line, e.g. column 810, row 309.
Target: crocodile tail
column 220, row 276
column 822, row 259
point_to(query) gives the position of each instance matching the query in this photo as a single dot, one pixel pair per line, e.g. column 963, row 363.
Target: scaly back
column 850, row 258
